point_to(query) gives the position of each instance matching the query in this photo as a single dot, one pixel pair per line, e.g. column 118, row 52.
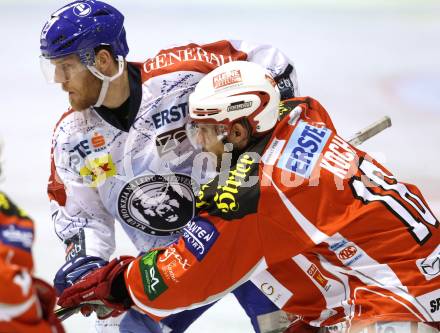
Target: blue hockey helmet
column 81, row 26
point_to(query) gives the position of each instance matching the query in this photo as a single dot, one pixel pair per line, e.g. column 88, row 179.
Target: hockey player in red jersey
column 124, row 137
column 342, row 240
column 26, row 302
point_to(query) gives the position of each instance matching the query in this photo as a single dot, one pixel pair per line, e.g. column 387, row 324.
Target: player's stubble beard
column 83, row 91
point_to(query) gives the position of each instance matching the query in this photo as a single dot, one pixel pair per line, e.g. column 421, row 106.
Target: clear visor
column 61, row 70
column 206, row 137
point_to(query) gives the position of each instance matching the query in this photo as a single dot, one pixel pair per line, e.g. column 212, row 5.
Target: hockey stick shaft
column 370, row 131
column 64, row 313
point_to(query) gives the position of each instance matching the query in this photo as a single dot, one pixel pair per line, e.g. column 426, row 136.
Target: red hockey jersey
column 341, row 237
column 20, row 307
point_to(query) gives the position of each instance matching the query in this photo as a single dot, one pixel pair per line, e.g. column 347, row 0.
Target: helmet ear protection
column 236, row 90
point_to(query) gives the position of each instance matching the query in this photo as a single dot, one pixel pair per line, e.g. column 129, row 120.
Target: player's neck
column 118, row 91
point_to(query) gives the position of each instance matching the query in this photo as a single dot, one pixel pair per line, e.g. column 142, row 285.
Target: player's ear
column 104, row 62
column 238, row 135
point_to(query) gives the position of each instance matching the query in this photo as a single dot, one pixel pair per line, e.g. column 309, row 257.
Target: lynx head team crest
column 157, row 204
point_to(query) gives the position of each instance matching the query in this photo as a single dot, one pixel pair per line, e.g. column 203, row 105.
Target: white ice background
column 360, row 59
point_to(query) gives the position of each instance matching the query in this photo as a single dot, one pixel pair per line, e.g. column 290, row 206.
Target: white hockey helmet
column 236, row 90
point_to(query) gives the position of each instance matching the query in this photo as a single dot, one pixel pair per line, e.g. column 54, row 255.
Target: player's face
column 208, row 137
column 81, row 85
column 66, row 68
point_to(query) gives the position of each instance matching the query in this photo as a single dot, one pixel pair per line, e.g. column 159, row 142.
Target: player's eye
column 66, row 67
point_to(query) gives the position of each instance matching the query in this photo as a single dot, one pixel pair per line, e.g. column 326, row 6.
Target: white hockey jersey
column 140, row 175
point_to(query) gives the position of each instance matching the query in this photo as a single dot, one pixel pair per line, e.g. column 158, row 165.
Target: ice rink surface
column 361, row 61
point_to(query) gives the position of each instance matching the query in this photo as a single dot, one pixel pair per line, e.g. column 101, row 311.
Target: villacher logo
column 157, row 204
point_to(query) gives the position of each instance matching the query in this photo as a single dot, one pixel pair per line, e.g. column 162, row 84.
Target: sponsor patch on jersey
column 157, row 204
column 97, row 141
column 76, row 245
column 349, row 254
column 185, row 56
column 82, row 146
column 285, row 84
column 286, row 107
column 170, row 116
column 16, row 236
column 303, row 149
column 273, row 152
column 80, row 149
column 169, row 141
column 435, row 305
column 430, row 266
column 234, row 193
column 314, row 272
column 97, row 170
column 337, row 245
column 431, row 302
column 338, row 158
column 153, row 282
column 272, row 288
column 171, row 263
column 199, row 235
column 283, row 110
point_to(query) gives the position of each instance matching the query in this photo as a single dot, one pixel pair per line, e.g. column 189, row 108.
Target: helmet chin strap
column 106, row 79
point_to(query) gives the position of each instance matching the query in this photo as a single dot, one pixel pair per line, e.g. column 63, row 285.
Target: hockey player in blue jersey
column 123, row 141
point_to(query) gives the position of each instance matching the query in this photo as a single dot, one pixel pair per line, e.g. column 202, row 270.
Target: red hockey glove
column 47, row 298
column 104, row 284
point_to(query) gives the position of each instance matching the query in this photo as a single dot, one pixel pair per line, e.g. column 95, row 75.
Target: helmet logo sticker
column 225, row 79
column 82, row 9
column 236, row 106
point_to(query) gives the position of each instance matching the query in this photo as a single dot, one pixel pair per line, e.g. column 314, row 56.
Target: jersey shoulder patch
column 304, row 148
